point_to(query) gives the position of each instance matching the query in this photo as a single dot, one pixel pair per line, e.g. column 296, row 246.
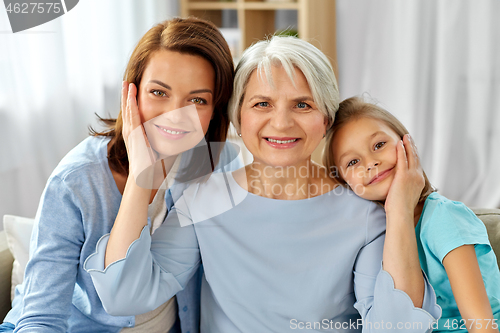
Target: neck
column 302, row 181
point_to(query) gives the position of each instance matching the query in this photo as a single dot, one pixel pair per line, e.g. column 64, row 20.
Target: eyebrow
column 297, row 99
column 166, row 86
column 303, row 98
column 371, row 137
column 259, row 97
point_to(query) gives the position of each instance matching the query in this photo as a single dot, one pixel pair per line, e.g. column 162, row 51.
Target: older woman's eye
column 379, row 145
column 352, row 162
column 198, row 100
column 158, row 93
column 303, row 105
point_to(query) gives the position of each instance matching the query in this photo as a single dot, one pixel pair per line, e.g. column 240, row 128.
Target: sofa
column 490, row 217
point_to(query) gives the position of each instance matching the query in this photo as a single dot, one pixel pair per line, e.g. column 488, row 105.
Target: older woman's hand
column 408, row 182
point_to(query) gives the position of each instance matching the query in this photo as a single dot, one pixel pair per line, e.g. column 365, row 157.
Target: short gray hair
column 289, row 52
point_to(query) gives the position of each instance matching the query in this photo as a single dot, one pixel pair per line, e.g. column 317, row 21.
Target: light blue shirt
column 270, row 265
column 443, row 226
column 79, row 205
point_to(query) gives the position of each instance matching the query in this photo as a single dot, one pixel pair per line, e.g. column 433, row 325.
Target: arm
column 155, row 267
column 382, row 307
column 400, row 250
column 50, row 275
column 468, row 289
column 133, row 213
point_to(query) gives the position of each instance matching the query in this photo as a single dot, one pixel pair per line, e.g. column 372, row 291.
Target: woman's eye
column 198, row 100
column 303, row 105
column 262, row 104
column 379, row 145
column 158, row 93
column 352, row 162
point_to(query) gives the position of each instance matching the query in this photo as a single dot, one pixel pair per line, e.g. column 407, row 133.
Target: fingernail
column 124, row 84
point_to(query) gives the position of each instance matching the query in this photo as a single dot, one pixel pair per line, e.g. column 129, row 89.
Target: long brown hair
column 190, row 36
column 355, row 108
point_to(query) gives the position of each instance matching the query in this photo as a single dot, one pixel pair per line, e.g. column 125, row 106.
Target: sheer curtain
column 53, row 78
column 435, row 64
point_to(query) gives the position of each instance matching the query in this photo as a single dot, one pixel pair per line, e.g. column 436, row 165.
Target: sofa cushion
column 18, row 232
column 491, row 218
column 6, row 260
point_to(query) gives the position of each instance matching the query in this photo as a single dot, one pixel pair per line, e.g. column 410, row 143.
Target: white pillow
column 18, row 231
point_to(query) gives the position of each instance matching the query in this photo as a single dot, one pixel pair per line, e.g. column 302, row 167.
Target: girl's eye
column 158, row 93
column 352, row 162
column 303, row 105
column 198, row 100
column 379, row 145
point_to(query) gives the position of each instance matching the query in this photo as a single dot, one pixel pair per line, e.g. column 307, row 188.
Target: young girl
column 365, row 152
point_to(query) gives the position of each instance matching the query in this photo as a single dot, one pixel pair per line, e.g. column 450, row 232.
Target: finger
column 411, row 152
column 135, row 119
column 124, row 100
column 402, row 162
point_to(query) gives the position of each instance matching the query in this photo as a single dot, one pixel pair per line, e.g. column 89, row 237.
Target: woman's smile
column 172, row 133
column 281, row 142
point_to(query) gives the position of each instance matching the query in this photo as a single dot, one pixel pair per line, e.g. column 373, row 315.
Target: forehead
column 277, row 79
column 355, row 132
column 166, row 62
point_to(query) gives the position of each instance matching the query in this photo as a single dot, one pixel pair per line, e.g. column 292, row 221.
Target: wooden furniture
column 316, row 19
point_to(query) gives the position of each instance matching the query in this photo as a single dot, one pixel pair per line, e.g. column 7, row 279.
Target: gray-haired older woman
column 282, row 245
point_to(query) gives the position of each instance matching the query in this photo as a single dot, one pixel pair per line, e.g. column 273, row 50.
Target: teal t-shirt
column 444, row 226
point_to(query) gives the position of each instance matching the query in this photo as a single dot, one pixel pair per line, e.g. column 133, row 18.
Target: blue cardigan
column 78, row 206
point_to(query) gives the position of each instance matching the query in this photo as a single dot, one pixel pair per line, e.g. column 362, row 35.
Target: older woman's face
column 280, row 125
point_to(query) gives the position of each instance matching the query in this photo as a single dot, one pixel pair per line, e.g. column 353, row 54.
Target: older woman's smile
column 281, row 142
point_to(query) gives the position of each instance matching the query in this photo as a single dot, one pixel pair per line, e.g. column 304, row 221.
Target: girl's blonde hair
column 355, row 108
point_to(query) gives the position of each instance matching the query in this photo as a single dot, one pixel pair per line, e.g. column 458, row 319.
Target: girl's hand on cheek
column 408, row 182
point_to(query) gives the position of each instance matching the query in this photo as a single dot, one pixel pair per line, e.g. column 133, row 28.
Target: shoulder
column 446, row 224
column 88, row 156
column 447, row 212
column 367, row 216
column 83, row 169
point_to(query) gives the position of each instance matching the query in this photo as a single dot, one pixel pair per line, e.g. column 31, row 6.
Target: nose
column 172, row 110
column 282, row 118
column 372, row 164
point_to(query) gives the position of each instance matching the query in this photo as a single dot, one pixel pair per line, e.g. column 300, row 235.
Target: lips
column 381, row 176
column 281, row 142
column 171, row 133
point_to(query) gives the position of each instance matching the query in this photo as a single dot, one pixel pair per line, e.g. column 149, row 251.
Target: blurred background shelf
column 313, row 20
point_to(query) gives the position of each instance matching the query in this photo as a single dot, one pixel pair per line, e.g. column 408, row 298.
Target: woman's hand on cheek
column 408, row 182
column 130, row 110
column 140, row 155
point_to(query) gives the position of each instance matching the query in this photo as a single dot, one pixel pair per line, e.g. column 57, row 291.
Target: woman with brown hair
column 178, row 64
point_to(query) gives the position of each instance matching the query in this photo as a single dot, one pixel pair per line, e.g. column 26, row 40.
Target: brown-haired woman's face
column 176, row 100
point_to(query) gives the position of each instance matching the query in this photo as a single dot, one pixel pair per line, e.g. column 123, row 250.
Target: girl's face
column 175, row 100
column 281, row 124
column 364, row 151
